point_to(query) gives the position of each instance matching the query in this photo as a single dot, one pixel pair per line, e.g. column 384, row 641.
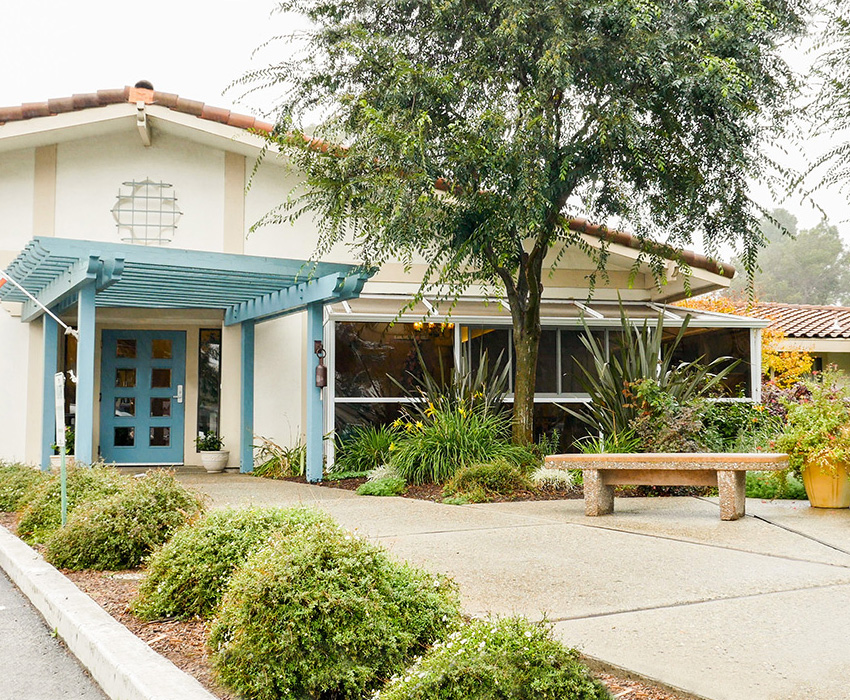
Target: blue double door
column 142, row 410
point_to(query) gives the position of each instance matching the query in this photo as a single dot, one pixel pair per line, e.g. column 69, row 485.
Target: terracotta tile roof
column 804, row 320
column 102, row 98
column 148, row 95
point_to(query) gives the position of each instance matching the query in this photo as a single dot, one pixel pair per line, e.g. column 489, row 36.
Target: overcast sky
column 54, row 48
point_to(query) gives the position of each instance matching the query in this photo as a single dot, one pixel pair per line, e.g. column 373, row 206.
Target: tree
column 831, row 108
column 524, row 115
column 807, row 266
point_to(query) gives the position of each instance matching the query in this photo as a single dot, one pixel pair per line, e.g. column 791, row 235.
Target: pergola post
column 246, row 439
column 314, row 428
column 84, row 428
column 50, row 331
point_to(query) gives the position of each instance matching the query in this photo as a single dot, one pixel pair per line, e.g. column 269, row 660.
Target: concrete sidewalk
column 754, row 609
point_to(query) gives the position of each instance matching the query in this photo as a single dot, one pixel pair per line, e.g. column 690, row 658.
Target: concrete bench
column 726, row 471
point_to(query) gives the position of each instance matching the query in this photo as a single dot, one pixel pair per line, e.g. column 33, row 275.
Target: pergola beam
column 321, row 290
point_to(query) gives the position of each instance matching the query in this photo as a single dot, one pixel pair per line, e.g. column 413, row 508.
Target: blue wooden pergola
column 62, row 273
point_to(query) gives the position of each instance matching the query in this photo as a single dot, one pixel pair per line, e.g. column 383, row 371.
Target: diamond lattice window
column 146, row 212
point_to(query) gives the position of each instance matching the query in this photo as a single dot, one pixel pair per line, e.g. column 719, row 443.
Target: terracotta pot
column 215, row 462
column 826, row 489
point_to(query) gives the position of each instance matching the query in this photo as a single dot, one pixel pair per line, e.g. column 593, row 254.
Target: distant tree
column 525, row 114
column 808, row 266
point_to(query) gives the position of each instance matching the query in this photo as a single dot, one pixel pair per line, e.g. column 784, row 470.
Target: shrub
column 545, row 478
column 119, row 531
column 509, row 658
column 277, row 462
column 450, row 439
column 16, row 480
column 41, row 514
column 770, row 485
column 388, row 486
column 323, row 614
column 187, row 576
column 364, row 448
column 498, row 478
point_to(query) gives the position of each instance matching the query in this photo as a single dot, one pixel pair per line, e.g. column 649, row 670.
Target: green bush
column 770, row 485
column 16, row 480
column 119, row 531
column 498, row 478
column 323, row 614
column 431, row 451
column 388, row 486
column 41, row 513
column 364, row 448
column 509, row 658
column 187, row 576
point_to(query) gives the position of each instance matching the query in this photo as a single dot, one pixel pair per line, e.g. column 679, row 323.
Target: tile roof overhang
column 181, row 107
column 804, row 320
column 246, row 288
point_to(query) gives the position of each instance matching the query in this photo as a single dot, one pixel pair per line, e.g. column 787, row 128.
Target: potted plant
column 817, row 437
column 56, row 457
column 213, row 457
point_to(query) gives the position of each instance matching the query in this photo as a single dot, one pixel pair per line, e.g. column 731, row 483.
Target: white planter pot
column 215, row 462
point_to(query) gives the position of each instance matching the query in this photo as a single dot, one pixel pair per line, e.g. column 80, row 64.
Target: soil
column 184, row 642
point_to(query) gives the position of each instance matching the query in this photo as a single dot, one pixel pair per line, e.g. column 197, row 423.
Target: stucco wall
column 89, row 173
column 14, row 366
column 17, row 172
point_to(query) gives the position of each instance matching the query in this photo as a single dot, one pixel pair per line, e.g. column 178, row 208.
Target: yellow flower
column 392, row 446
column 430, row 410
column 419, row 424
column 397, row 423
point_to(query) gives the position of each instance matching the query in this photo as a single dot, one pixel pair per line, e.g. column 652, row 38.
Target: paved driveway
column 754, row 609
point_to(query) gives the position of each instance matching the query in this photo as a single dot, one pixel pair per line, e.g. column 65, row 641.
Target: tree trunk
column 526, row 326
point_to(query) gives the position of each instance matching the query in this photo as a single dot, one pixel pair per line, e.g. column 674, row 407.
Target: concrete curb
column 122, row 664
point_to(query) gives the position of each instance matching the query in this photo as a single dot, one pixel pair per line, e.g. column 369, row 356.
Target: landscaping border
column 123, row 665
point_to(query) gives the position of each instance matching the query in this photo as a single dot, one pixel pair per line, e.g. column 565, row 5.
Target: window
column 209, row 381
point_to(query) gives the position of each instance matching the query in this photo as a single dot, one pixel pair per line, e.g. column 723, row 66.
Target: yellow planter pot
column 827, row 489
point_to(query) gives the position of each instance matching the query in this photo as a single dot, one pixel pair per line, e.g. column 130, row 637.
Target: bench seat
column 724, row 470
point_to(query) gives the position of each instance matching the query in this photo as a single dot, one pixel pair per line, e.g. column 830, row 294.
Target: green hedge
column 323, row 614
column 119, row 531
column 16, row 482
column 187, row 576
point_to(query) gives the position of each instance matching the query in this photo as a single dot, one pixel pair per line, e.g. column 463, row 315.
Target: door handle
column 179, row 396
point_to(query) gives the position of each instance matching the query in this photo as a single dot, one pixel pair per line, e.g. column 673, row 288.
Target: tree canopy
column 809, row 266
column 648, row 116
column 831, row 108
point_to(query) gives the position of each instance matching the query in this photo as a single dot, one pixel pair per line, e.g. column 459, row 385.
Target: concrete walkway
column 755, row 609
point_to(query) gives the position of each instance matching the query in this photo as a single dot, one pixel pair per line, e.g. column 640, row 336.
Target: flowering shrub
column 186, row 577
column 41, row 510
column 119, row 531
column 817, row 428
column 324, row 614
column 433, row 448
column 15, row 481
column 509, row 658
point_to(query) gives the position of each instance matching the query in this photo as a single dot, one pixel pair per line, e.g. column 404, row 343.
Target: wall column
column 314, row 429
column 246, row 439
column 84, row 430
column 50, row 334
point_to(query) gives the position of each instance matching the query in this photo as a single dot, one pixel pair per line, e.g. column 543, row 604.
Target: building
column 126, row 212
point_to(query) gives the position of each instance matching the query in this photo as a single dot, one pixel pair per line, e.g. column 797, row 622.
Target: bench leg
column 732, row 488
column 598, row 497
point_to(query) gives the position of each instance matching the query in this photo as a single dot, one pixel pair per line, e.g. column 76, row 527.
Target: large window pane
column 350, row 415
column 547, row 364
column 712, row 343
column 368, row 354
column 495, row 342
column 549, row 418
column 574, row 356
column 209, row 381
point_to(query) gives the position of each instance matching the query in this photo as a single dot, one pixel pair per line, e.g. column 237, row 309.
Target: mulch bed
column 184, row 642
